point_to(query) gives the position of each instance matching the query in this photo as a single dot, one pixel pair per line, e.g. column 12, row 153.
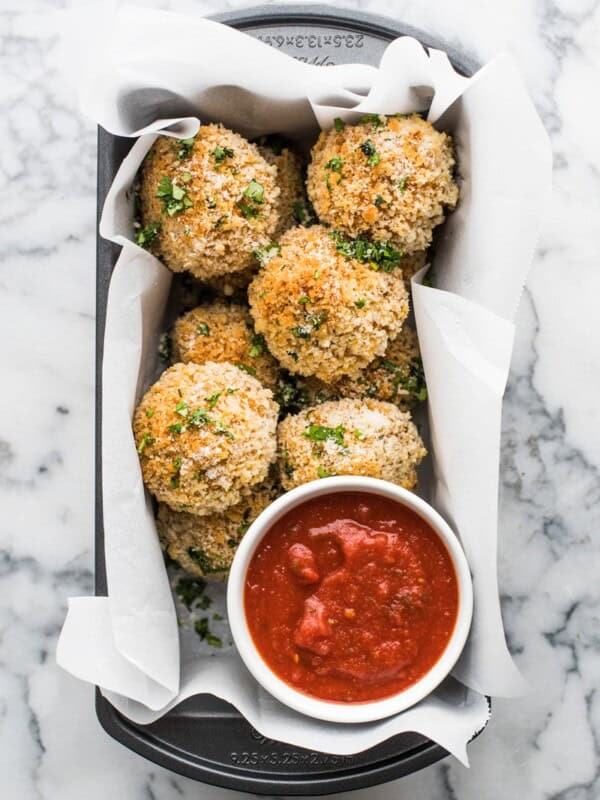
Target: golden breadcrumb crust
column 321, row 313
column 349, row 437
column 390, row 178
column 206, row 545
column 221, row 331
column 213, row 236
column 205, row 435
column 396, row 377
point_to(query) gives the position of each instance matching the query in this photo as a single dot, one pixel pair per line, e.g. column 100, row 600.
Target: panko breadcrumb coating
column 349, row 437
column 397, row 377
column 205, row 435
column 389, row 178
column 221, row 331
column 323, row 313
column 289, row 179
column 206, row 545
column 211, row 201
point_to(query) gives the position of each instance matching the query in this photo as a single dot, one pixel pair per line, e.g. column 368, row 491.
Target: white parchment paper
column 145, row 73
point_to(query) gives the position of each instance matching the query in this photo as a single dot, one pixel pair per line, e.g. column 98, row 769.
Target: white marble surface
column 546, row 745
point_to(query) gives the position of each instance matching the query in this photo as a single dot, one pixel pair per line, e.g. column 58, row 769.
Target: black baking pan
column 205, row 738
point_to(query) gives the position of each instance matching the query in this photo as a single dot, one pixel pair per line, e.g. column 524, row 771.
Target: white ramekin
column 312, row 706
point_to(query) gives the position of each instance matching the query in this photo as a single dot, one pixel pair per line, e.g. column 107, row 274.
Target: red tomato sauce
column 351, row 597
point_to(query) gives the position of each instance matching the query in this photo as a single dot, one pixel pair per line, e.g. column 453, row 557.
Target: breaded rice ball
column 206, row 545
column 387, row 178
column 323, row 313
column 221, row 331
column 397, row 377
column 291, row 186
column 211, row 201
column 349, row 437
column 205, row 435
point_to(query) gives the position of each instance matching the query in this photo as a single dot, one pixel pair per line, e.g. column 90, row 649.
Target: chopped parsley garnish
column 203, row 631
column 245, row 523
column 304, row 299
column 368, row 149
column 320, row 433
column 203, row 329
column 289, row 469
column 409, row 377
column 176, row 428
column 339, row 124
column 221, row 429
column 415, row 384
column 146, row 235
column 335, row 165
column 186, row 177
column 199, row 417
column 374, row 119
column 380, row 255
column 322, row 473
column 293, row 355
column 246, row 368
column 189, row 590
column 182, row 408
column 360, row 303
column 149, row 412
column 185, row 148
column 358, row 434
column 302, row 332
column 177, row 474
column 146, row 441
column 402, row 184
column 379, row 201
column 257, row 345
column 248, row 211
column 174, row 198
column 255, row 191
column 213, row 399
column 204, row 562
column 266, row 253
column 221, row 153
column 317, row 319
column 304, row 213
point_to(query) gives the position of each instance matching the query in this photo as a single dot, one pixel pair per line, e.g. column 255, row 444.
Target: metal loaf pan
column 205, row 738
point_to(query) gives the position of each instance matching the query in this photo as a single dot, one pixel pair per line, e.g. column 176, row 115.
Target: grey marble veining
column 546, row 745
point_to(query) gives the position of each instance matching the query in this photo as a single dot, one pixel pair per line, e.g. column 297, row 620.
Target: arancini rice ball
column 396, row 377
column 387, row 178
column 205, row 435
column 206, row 545
column 323, row 312
column 349, row 437
column 207, row 202
column 219, row 331
column 291, row 186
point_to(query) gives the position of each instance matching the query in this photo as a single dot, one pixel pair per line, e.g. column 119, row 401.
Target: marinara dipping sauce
column 351, row 597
